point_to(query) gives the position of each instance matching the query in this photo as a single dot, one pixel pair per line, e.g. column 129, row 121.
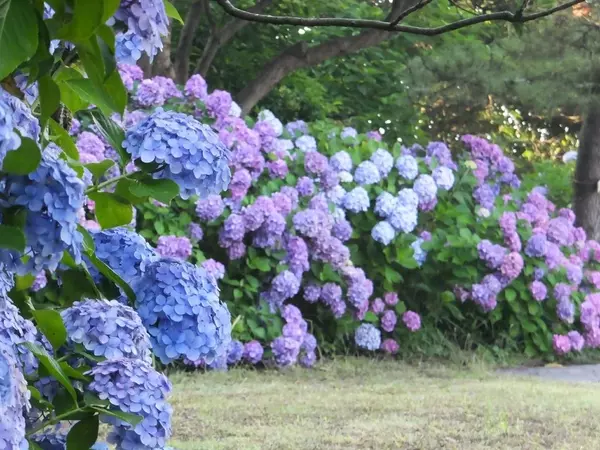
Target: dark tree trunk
column 186, row 41
column 300, row 56
column 587, row 174
column 162, row 62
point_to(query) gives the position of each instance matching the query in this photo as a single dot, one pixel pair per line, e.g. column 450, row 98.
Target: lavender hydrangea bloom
column 52, row 195
column 419, row 254
column 577, row 340
column 312, row 293
column 441, row 153
column 283, row 287
column 425, row 188
column 383, row 232
column 297, row 255
column 412, row 320
column 214, row 268
column 129, row 74
column 282, row 203
column 40, row 282
column 311, row 223
column 195, row 88
column 444, row 178
column 133, row 386
column 305, row 186
column 91, row 148
column 536, row 246
column 384, row 161
column 315, row 163
column 512, row 265
column 558, row 231
column 407, row 167
column 253, row 352
column 148, row 20
column 342, row 230
column 538, row 290
column 341, row 162
column 367, row 337
column 390, row 346
column 210, row 208
column 124, row 251
column 14, row 401
column 174, row 247
column 331, row 293
column 388, row 321
column 378, row 306
column 15, row 331
column 357, row 200
column 108, row 329
column 297, row 127
column 192, row 153
column 561, row 344
column 179, row 305
column 240, row 183
column 306, row 143
column 168, row 87
column 348, row 133
column 485, row 196
column 492, row 254
column 149, row 93
column 195, row 231
column 235, row 352
column 285, row 351
column 403, row 219
column 565, row 310
column 367, row 173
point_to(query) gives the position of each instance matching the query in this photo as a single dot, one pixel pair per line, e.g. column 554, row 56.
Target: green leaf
column 133, row 419
column 18, row 34
column 94, row 93
column 370, row 317
column 118, row 93
column 68, row 96
column 23, row 160
column 162, row 190
column 12, row 237
column 111, row 210
column 172, row 12
column 110, row 7
column 88, row 240
column 100, row 168
column 510, row 295
column 112, row 133
column 51, row 324
column 49, row 98
column 64, row 140
column 74, row 373
column 111, row 275
column 87, row 17
column 23, row 283
column 262, row 264
column 52, row 367
column 84, row 433
column 77, row 284
column 91, row 400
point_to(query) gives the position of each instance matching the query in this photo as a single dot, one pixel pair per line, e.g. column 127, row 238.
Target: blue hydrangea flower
column 234, row 352
column 148, row 20
column 383, row 233
column 367, row 337
column 311, row 222
column 128, row 48
column 253, row 352
column 336, row 195
column 283, row 287
column 9, row 139
column 348, row 133
column 367, row 173
column 30, row 91
column 285, row 351
column 133, row 386
column 384, row 161
column 192, row 154
column 444, row 178
column 23, row 119
column 407, row 167
column 55, row 438
column 124, row 251
column 180, row 307
column 341, row 162
column 342, row 229
column 52, row 196
column 14, row 401
column 385, row 204
column 419, row 254
column 408, row 198
column 16, row 330
column 403, row 219
column 108, row 329
column 425, row 188
column 357, row 200
column 297, row 127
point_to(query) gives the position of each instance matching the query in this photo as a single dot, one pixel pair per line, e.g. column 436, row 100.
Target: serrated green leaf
column 163, row 190
column 99, row 169
column 49, row 98
column 87, row 17
column 12, row 238
column 132, row 419
column 111, row 275
column 18, row 34
column 64, row 140
column 83, row 435
column 111, row 210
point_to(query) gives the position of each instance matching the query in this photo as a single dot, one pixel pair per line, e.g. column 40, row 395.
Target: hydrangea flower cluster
column 14, row 400
column 191, row 154
column 295, row 343
column 180, row 307
column 108, row 329
column 133, row 386
column 174, row 247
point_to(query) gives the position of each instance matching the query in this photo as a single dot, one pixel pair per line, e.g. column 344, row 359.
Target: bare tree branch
column 409, row 11
column 390, row 26
column 186, row 40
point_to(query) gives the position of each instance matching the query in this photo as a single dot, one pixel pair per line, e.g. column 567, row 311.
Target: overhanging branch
column 391, row 26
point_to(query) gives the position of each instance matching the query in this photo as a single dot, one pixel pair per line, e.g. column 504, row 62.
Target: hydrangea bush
column 79, row 288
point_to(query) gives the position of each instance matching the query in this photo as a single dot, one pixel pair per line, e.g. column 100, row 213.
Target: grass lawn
column 366, row 404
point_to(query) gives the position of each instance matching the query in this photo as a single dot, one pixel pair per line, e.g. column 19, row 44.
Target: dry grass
column 362, row 404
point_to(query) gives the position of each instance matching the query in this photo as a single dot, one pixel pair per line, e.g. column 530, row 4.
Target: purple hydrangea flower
column 214, row 268
column 305, row 186
column 210, row 208
column 512, row 265
column 383, row 232
column 331, row 293
column 538, row 290
column 174, row 247
column 191, row 153
column 14, row 400
column 412, row 320
column 218, row 104
column 195, row 88
column 306, row 143
column 311, row 222
column 39, row 282
column 367, row 173
column 425, row 188
column 384, row 161
column 390, row 346
column 278, row 169
column 561, row 344
column 297, row 127
column 388, row 321
column 312, row 293
column 378, row 306
column 407, row 167
column 357, row 200
column 297, row 255
column 536, row 246
column 444, row 178
column 253, row 352
column 315, row 163
column 149, row 94
column 285, row 351
column 240, row 183
column 283, row 287
column 342, row 230
column 195, row 232
column 341, row 162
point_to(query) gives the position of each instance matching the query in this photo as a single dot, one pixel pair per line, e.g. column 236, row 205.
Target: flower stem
column 106, row 183
column 54, row 420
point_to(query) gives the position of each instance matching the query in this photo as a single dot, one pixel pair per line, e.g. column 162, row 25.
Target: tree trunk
column 587, row 174
column 186, row 41
column 162, row 62
column 300, row 56
column 221, row 36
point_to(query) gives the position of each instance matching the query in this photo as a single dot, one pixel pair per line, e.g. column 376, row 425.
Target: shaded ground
column 366, row 404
